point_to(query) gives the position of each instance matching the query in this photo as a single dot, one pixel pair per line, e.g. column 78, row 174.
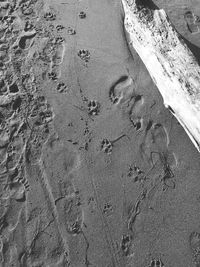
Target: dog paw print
column 136, row 173
column 192, row 22
column 71, row 31
column 106, row 146
column 49, row 16
column 82, row 15
column 59, row 27
column 84, row 55
column 93, row 107
column 156, row 263
column 59, row 40
column 62, row 87
column 52, row 76
column 107, row 208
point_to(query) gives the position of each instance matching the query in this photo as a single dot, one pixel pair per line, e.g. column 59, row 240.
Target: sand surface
column 94, row 171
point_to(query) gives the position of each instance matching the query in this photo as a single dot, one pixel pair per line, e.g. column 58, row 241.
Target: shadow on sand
column 195, row 49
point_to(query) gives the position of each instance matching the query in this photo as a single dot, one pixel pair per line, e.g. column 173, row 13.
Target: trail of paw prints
column 71, row 217
column 18, row 99
column 24, row 131
column 25, row 115
column 48, row 48
column 192, row 22
column 67, row 197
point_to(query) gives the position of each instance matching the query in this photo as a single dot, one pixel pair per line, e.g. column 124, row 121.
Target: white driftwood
column 169, row 61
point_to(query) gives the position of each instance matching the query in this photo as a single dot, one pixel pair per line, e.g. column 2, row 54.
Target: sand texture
column 94, row 170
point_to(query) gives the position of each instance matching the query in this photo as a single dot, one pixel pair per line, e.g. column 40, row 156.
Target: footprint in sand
column 58, row 56
column 154, row 146
column 135, row 116
column 57, row 59
column 123, row 95
column 122, row 90
column 26, row 39
column 155, row 137
column 192, row 22
column 58, row 51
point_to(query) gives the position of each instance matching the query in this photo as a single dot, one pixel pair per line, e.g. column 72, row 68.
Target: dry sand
column 94, row 171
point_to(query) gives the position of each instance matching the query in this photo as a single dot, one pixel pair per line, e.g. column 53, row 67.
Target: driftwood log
column 169, row 61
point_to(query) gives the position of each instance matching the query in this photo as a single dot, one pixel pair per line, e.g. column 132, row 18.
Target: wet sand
column 94, row 170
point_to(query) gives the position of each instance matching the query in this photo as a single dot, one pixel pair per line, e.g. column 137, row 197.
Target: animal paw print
column 49, row 16
column 192, row 21
column 62, row 87
column 107, row 209
column 71, row 31
column 84, row 55
column 136, row 173
column 93, row 107
column 59, row 27
column 82, row 15
column 52, row 76
column 106, row 146
column 156, row 263
column 59, row 40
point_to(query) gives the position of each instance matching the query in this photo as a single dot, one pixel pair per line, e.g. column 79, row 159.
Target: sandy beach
column 94, row 170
